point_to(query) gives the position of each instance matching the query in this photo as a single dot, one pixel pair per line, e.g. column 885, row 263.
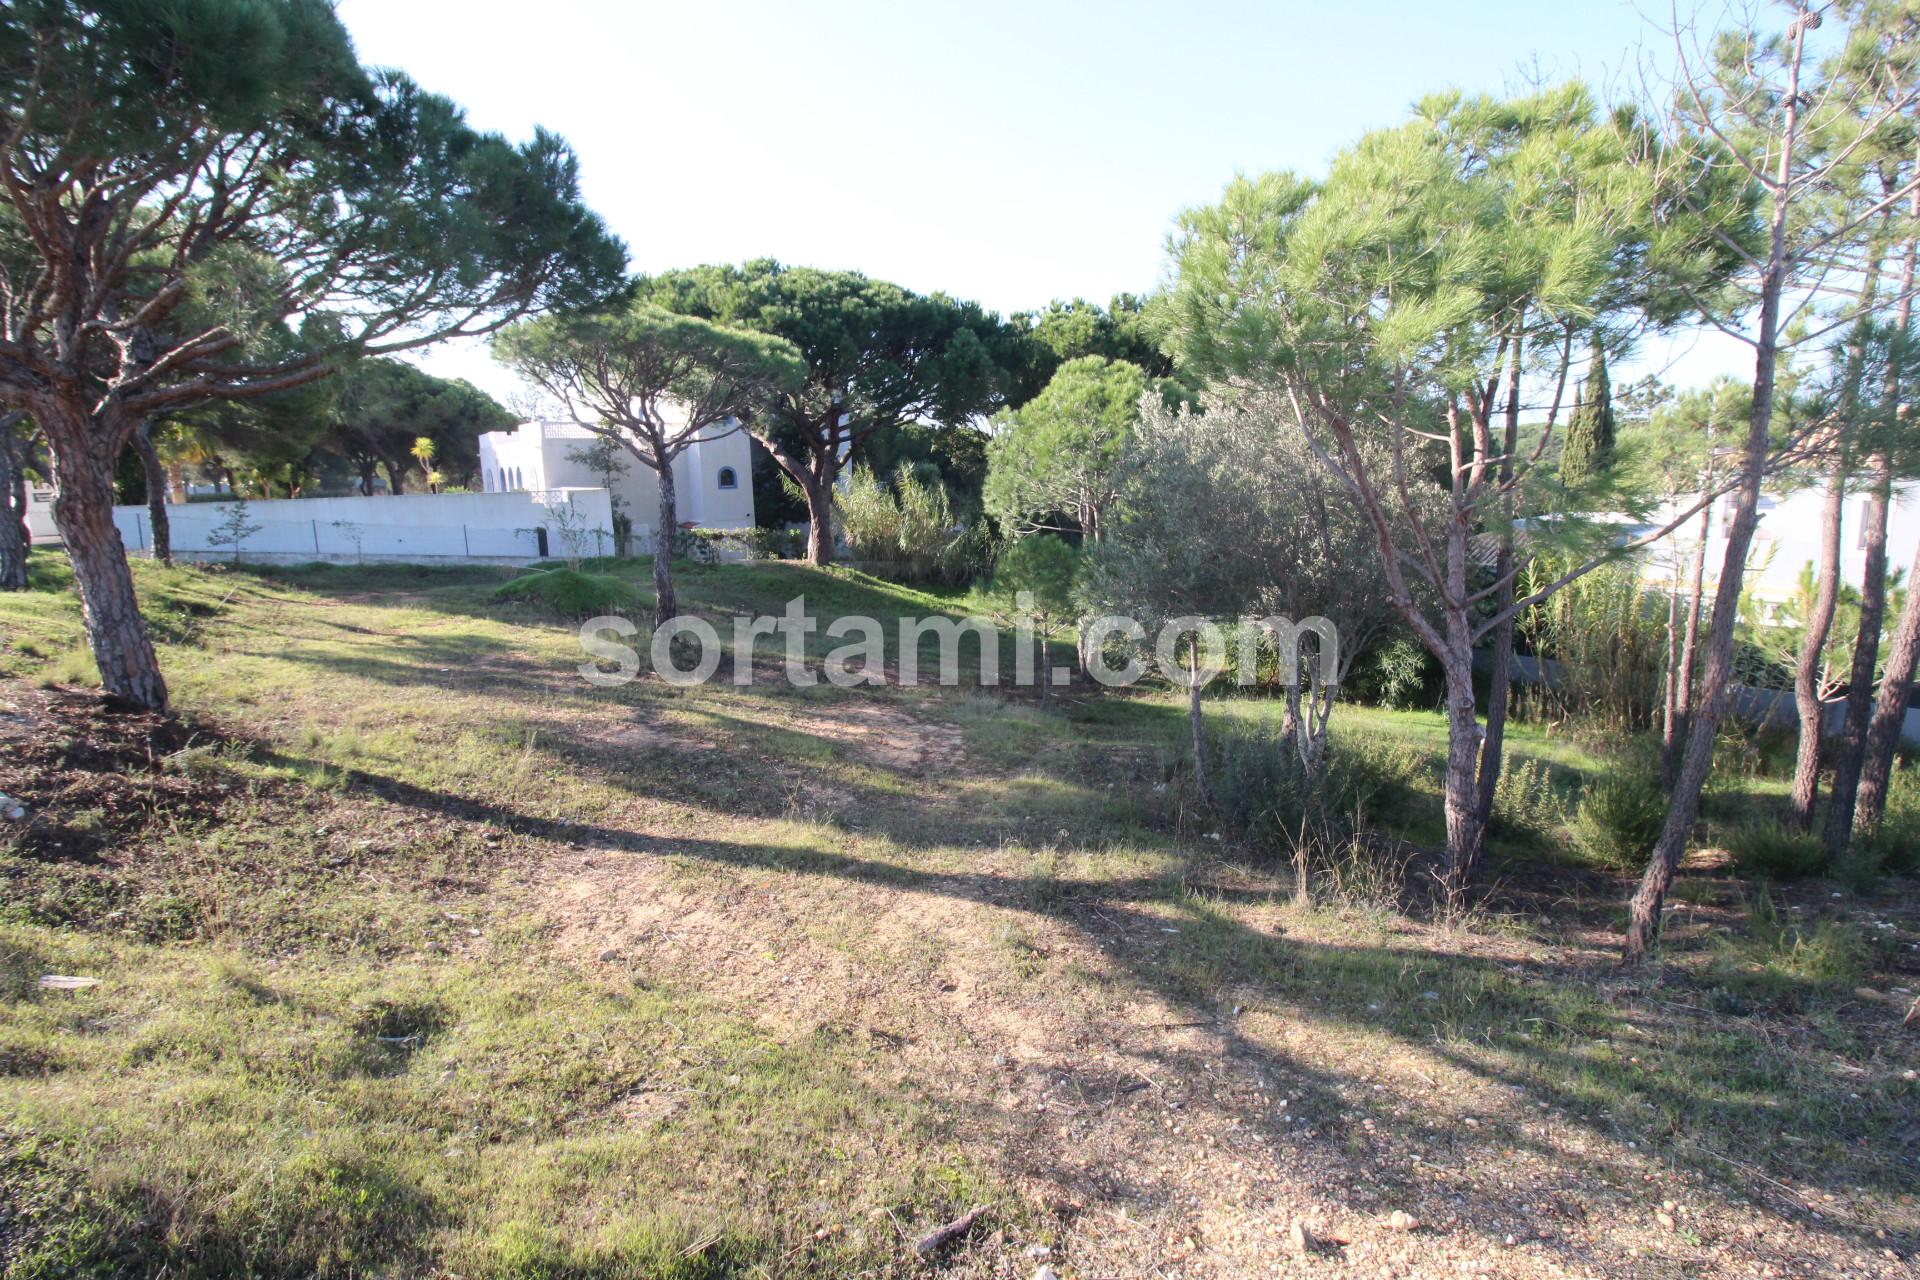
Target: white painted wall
column 40, row 514
column 537, row 455
column 1788, row 540
column 420, row 528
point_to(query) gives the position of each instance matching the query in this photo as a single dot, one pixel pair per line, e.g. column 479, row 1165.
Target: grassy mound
column 568, row 593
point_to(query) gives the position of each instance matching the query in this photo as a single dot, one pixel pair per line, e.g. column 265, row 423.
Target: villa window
column 729, row 478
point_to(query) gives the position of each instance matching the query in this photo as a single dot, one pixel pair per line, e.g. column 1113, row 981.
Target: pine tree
column 1589, row 445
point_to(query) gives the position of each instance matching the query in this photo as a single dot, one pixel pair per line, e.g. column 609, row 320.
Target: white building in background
column 1788, row 540
column 40, row 525
column 712, row 477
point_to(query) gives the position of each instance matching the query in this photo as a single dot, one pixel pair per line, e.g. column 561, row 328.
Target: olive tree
column 1227, row 515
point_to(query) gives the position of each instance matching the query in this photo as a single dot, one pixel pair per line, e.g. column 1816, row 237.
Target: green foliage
column 1054, row 462
column 901, row 531
column 1771, row 634
column 657, row 377
column 1260, row 793
column 1606, row 635
column 568, row 593
column 1525, row 801
column 1897, row 840
column 890, row 355
column 1224, row 512
column 1395, row 674
column 234, row 528
column 1778, row 956
column 1619, row 817
column 338, row 185
column 878, row 357
column 1767, row 850
column 393, row 414
column 1587, row 450
column 1073, row 330
column 1035, row 579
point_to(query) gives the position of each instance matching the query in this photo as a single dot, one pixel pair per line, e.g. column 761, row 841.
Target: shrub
column 903, row 529
column 1524, row 801
column 1897, row 840
column 1780, row 955
column 568, row 593
column 1395, row 675
column 1606, row 634
column 1767, row 850
column 1260, row 794
column 773, row 544
column 1859, row 865
column 1619, row 818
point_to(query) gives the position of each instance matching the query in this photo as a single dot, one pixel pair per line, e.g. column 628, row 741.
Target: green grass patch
column 569, row 593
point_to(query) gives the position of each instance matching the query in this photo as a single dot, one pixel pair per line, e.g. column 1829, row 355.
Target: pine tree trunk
column 819, row 495
column 1812, row 659
column 1686, row 678
column 1669, row 705
column 13, row 508
column 665, row 606
column 109, row 606
column 1889, row 716
column 1703, row 718
column 1462, row 800
column 1500, row 673
column 1838, row 831
column 1499, row 693
column 156, row 475
column 1875, row 766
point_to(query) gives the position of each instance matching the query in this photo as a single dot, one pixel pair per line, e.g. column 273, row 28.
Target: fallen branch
column 940, row 1237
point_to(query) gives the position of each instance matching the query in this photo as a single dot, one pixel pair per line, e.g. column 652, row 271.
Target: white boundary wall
column 415, row 528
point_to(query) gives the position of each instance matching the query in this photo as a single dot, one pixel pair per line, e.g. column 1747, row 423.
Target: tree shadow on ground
column 1546, row 1033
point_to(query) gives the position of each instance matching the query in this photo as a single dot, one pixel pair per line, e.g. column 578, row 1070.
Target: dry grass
column 474, row 969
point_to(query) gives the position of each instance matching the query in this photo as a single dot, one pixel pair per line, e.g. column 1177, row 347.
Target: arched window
column 729, row 478
column 516, row 479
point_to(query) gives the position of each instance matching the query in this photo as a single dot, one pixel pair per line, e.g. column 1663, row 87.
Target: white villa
column 712, row 477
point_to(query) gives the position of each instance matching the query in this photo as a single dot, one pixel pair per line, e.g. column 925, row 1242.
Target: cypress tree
column 1588, row 449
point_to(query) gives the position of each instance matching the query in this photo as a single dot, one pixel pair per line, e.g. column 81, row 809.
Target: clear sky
column 1009, row 153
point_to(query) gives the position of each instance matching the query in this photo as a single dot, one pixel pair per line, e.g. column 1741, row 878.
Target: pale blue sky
column 1004, row 152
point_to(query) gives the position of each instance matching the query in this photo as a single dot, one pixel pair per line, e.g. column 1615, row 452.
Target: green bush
column 568, row 593
column 1395, row 675
column 1260, row 793
column 1767, row 850
column 1606, row 633
column 904, row 528
column 1524, row 800
column 1897, row 841
column 1619, row 818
